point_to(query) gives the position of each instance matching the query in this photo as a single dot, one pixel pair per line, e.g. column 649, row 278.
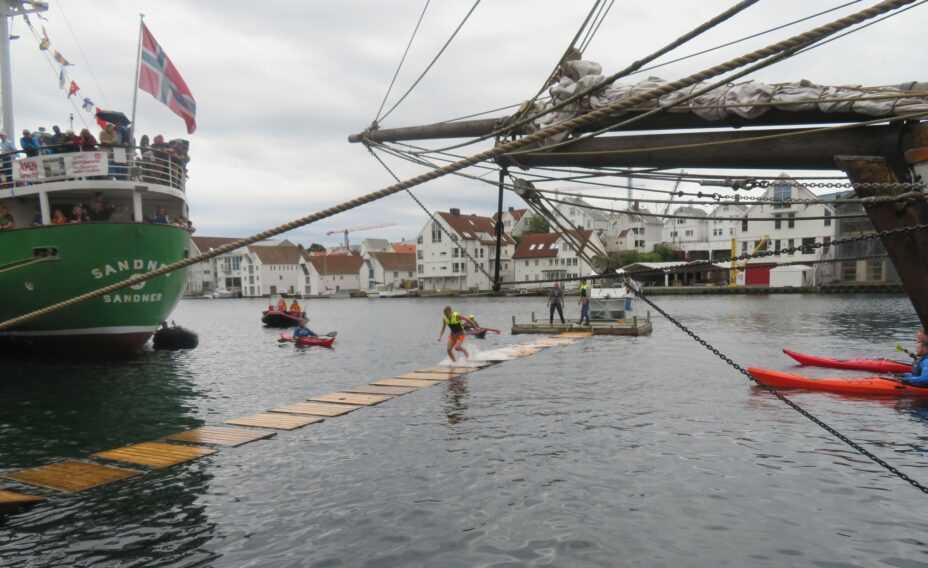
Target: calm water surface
column 628, row 451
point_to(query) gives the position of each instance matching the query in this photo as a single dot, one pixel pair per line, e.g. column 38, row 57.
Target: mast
column 135, row 86
column 6, row 73
column 8, row 11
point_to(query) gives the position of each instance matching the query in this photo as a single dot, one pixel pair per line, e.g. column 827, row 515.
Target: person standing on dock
column 584, row 302
column 556, row 302
column 455, row 324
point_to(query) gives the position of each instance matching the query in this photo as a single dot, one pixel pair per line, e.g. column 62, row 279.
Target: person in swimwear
column 455, row 323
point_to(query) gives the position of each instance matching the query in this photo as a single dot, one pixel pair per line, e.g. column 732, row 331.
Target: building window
column 744, row 247
column 782, row 193
column 689, row 232
column 826, row 243
column 419, row 254
column 419, row 240
column 776, row 246
column 744, row 225
column 420, row 268
column 436, row 233
column 808, row 245
column 791, row 244
column 827, row 217
column 792, row 221
column 777, row 222
column 454, row 252
column 875, row 269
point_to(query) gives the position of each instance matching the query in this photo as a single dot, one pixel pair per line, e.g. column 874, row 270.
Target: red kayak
column 872, row 365
column 871, row 386
column 309, row 341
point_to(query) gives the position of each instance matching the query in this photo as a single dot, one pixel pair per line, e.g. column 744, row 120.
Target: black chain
column 860, row 449
column 765, row 183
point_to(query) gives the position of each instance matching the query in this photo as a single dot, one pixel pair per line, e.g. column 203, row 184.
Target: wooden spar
column 908, row 252
column 662, row 121
column 718, row 150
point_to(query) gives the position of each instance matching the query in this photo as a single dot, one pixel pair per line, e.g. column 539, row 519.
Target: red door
column 757, row 276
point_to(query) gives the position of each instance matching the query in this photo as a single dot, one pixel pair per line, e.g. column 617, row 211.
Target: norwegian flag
column 160, row 78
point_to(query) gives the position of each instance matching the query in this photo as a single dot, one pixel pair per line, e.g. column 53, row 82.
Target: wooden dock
column 71, row 475
column 633, row 327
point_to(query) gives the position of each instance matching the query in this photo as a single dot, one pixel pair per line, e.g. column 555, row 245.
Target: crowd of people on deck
column 156, row 152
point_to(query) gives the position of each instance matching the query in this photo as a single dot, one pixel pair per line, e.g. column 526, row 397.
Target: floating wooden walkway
column 75, row 475
column 633, row 327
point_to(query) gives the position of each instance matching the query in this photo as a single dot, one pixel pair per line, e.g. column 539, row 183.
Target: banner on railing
column 57, row 166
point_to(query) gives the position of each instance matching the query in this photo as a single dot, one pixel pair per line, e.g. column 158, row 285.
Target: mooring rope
column 566, row 126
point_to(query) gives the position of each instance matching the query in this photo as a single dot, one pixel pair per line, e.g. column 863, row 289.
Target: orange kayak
column 868, row 386
column 872, row 365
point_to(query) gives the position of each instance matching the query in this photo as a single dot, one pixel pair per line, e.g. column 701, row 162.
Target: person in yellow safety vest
column 455, row 323
column 295, row 308
column 584, row 302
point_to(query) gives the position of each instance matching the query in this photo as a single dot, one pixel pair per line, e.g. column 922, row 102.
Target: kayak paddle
column 902, row 349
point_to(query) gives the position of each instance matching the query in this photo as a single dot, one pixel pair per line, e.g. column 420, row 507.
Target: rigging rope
column 402, row 60
column 477, row 264
column 431, row 63
column 566, row 126
column 727, row 14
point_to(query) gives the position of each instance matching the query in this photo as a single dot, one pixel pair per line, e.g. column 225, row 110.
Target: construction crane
column 356, row 229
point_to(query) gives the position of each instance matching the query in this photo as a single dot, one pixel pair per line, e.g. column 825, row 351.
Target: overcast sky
column 280, row 84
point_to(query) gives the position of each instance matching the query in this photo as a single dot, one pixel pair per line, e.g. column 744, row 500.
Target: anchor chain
column 830, row 429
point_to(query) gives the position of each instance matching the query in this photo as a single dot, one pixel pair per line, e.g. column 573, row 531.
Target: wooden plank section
column 275, row 421
column 427, row 376
column 456, row 370
column 377, row 389
column 219, row 436
column 414, row 383
column 351, row 398
column 12, row 501
column 71, row 475
column 157, row 455
column 317, row 408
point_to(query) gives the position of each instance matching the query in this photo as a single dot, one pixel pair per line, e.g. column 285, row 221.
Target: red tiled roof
column 468, row 227
column 277, row 254
column 404, row 247
column 539, row 245
column 337, row 263
column 396, row 260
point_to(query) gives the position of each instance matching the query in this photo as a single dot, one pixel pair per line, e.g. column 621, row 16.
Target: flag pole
column 135, row 86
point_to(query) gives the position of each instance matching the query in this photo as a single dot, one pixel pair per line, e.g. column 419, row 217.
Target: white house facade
column 547, row 256
column 334, row 273
column 442, row 262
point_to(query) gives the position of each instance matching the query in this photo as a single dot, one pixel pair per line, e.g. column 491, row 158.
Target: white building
column 373, row 245
column 722, row 227
column 547, row 256
column 333, row 273
column 515, row 221
column 277, row 269
column 629, row 230
column 581, row 217
column 789, row 229
column 226, row 273
column 441, row 263
column 686, row 234
column 390, row 270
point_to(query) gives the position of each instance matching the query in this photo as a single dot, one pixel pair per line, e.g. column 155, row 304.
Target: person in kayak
column 455, row 324
column 919, row 375
column 295, row 308
column 303, row 331
column 281, row 305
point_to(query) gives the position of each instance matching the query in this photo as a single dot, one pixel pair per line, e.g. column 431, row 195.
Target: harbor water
column 611, row 451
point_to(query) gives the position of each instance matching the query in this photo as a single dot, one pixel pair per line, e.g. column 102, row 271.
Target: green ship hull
column 44, row 265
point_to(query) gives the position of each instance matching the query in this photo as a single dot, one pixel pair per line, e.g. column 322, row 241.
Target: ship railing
column 54, row 164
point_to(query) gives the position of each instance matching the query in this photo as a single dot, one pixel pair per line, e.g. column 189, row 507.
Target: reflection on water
column 643, row 451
